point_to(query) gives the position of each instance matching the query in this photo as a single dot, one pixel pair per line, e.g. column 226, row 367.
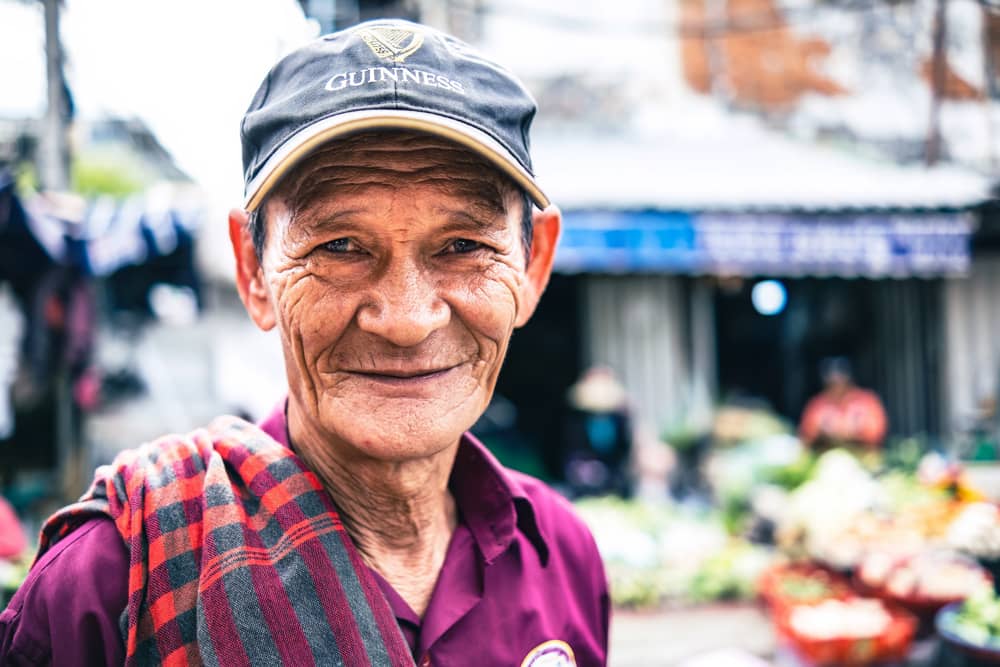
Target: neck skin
column 400, row 515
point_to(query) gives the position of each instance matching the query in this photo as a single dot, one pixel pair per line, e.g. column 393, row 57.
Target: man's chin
column 395, row 450
column 399, row 429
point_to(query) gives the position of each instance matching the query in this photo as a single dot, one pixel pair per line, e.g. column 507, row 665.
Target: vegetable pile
column 978, row 620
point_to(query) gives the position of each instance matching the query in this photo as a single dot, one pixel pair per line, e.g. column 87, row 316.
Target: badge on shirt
column 553, row 653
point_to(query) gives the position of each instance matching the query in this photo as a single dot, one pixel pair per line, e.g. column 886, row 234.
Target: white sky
column 188, row 68
column 723, row 160
column 22, row 52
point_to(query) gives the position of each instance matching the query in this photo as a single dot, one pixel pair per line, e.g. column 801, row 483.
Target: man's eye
column 465, row 246
column 340, row 245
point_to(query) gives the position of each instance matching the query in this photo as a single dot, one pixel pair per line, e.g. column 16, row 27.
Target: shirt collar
column 493, row 503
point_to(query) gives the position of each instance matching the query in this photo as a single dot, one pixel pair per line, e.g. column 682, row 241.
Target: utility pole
column 53, row 171
column 989, row 88
column 54, row 153
column 939, row 72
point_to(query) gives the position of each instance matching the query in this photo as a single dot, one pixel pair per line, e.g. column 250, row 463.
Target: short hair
column 831, row 366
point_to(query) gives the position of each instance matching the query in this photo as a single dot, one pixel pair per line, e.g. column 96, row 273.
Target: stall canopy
column 868, row 244
column 742, row 199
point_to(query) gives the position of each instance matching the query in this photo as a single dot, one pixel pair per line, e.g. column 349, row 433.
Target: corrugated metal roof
column 738, row 167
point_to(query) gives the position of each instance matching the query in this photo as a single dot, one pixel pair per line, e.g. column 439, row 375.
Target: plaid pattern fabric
column 236, row 557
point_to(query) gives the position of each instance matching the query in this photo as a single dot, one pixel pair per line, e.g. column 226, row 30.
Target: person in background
column 598, row 435
column 13, row 542
column 843, row 413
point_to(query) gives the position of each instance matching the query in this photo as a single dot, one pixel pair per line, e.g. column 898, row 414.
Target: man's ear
column 249, row 275
column 547, row 226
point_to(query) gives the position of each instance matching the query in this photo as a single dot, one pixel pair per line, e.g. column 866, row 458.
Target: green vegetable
column 803, row 588
column 794, row 474
column 978, row 620
column 730, row 574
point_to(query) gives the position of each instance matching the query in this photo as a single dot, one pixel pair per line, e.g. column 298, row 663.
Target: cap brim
column 308, row 139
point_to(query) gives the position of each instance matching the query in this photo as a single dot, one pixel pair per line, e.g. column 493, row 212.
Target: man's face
column 395, row 274
column 838, row 382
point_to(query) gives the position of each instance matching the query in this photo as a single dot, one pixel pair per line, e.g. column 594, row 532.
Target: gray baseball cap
column 386, row 74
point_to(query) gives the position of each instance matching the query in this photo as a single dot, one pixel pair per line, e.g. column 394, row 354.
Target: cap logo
column 393, row 44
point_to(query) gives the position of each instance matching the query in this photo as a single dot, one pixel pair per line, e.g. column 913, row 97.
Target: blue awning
column 867, row 244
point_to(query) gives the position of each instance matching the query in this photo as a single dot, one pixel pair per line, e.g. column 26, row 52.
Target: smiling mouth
column 404, row 376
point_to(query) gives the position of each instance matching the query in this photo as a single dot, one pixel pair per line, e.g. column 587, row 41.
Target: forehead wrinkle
column 390, row 170
column 406, row 153
column 391, row 160
column 397, row 143
column 380, row 174
column 479, row 193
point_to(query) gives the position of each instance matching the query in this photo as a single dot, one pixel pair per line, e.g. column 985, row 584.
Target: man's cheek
column 302, row 318
column 497, row 289
column 502, row 311
column 507, row 283
column 297, row 289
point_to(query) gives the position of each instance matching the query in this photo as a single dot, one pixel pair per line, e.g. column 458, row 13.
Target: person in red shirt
column 12, row 539
column 843, row 413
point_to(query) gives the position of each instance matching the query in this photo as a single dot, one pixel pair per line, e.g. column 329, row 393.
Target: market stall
column 856, row 558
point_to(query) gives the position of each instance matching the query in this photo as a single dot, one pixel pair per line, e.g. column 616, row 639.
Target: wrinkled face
column 395, row 275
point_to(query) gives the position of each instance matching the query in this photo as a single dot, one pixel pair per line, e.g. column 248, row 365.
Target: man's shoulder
column 87, row 549
column 164, row 450
column 198, row 446
column 76, row 588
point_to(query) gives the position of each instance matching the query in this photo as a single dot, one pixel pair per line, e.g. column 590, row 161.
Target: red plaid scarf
column 236, row 557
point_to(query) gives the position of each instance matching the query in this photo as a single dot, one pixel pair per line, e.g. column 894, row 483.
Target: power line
column 777, row 19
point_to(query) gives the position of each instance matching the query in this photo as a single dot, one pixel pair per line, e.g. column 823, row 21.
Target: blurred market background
column 753, row 190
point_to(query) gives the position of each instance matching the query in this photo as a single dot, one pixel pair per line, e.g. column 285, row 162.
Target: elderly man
column 394, row 235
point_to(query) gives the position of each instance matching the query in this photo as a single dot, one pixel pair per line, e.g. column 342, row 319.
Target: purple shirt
column 521, row 577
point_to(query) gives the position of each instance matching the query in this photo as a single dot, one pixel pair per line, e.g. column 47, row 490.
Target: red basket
column 893, row 644
column 923, row 607
column 773, row 585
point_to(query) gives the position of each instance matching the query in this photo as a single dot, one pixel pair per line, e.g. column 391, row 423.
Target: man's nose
column 404, row 308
